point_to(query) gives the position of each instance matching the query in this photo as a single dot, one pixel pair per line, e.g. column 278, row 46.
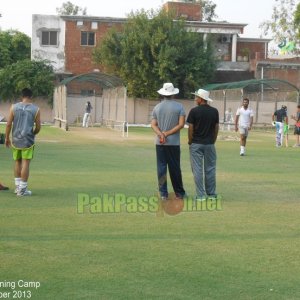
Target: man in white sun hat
column 202, row 134
column 168, row 118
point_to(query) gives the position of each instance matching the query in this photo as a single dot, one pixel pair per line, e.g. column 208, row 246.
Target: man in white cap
column 168, row 118
column 202, row 134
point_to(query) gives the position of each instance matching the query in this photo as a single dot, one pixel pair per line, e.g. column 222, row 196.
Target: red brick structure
column 78, row 36
column 78, row 57
column 188, row 11
column 286, row 69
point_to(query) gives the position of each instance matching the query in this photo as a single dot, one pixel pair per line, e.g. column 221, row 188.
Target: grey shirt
column 167, row 114
column 24, row 119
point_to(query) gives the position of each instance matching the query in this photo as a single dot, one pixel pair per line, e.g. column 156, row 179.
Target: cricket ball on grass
column 173, row 205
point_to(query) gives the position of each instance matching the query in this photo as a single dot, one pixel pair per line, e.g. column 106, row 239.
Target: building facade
column 68, row 42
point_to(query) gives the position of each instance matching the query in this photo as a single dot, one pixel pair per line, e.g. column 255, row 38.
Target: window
column 49, row 38
column 87, row 38
column 94, row 25
column 87, row 92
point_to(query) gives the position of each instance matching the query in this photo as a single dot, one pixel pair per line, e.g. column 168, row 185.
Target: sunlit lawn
column 247, row 250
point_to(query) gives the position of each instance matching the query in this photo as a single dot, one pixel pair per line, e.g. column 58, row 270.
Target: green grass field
column 247, row 250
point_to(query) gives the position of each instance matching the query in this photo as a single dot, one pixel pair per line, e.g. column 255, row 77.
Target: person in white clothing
column 281, row 120
column 243, row 123
column 87, row 114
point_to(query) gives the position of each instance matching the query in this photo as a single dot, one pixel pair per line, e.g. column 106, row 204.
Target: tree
column 14, row 46
column 70, row 9
column 17, row 71
column 297, row 21
column 37, row 75
column 282, row 25
column 152, row 49
column 208, row 10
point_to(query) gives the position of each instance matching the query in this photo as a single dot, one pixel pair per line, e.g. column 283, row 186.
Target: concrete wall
column 139, row 110
column 46, row 109
column 55, row 54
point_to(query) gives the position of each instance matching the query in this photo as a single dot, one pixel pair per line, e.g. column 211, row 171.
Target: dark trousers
column 168, row 157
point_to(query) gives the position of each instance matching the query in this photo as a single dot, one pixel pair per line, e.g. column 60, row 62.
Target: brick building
column 68, row 42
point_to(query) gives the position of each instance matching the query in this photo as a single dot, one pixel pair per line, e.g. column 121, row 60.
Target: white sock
column 17, row 181
column 242, row 148
column 23, row 184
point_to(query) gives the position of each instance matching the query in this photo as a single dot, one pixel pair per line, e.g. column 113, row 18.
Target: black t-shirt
column 204, row 119
column 280, row 115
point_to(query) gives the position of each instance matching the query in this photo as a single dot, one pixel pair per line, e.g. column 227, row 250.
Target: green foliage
column 208, row 10
column 37, row 75
column 282, row 23
column 18, row 71
column 14, row 46
column 70, row 9
column 151, row 49
column 297, row 21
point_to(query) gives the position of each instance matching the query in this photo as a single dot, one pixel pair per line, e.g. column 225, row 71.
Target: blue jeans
column 203, row 162
column 168, row 157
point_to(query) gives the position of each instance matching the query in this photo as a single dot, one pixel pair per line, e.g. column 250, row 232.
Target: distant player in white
column 243, row 123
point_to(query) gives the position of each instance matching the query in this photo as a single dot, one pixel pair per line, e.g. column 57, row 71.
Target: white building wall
column 55, row 54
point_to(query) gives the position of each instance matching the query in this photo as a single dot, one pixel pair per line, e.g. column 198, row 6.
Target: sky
column 17, row 14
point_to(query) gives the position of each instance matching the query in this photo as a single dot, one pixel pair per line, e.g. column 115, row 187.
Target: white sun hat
column 168, row 89
column 203, row 94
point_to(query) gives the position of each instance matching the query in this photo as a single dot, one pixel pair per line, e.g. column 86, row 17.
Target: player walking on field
column 243, row 123
column 25, row 122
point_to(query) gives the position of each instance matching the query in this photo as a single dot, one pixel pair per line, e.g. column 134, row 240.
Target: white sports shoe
column 23, row 192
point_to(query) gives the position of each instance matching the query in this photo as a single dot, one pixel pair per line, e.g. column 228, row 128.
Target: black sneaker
column 3, row 188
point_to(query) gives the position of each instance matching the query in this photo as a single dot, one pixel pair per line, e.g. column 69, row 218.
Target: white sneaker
column 24, row 192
